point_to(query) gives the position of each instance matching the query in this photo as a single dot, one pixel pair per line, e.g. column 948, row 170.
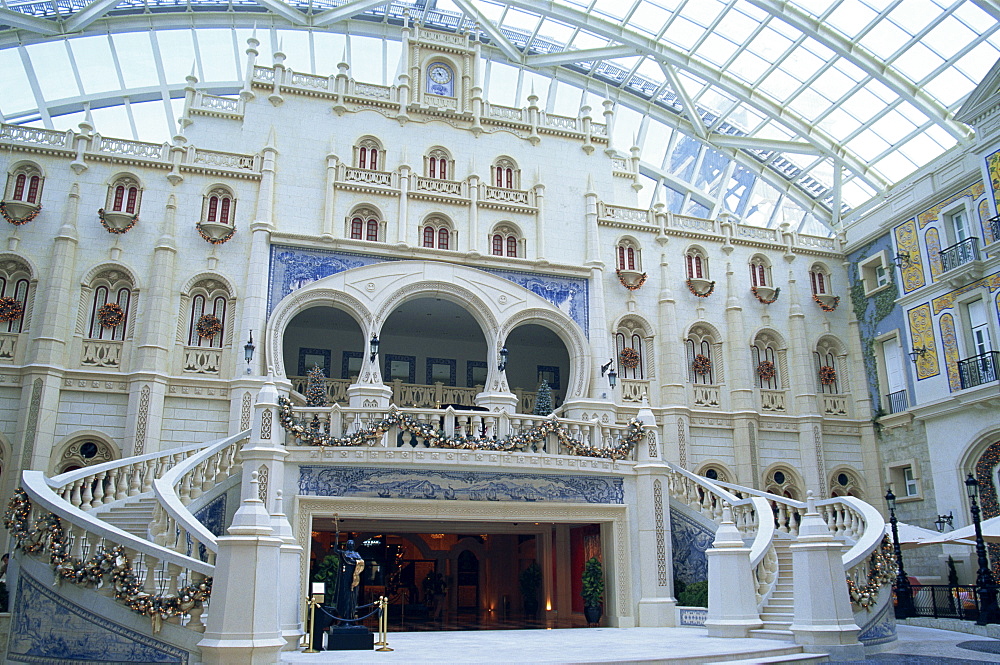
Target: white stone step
column 771, row 634
column 802, row 658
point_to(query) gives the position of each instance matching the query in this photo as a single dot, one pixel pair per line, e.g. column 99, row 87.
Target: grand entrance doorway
column 466, row 575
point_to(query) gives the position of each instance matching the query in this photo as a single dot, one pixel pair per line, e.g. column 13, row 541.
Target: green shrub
column 694, row 595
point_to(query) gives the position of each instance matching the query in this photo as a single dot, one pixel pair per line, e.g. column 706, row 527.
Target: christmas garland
column 14, row 220
column 110, row 315
column 208, row 326
column 311, row 434
column 629, row 358
column 691, row 288
column 881, row 571
column 823, row 306
column 631, row 287
column 765, row 370
column 827, row 375
column 111, row 229
column 47, row 533
column 215, row 241
column 702, row 364
column 765, row 300
column 11, row 309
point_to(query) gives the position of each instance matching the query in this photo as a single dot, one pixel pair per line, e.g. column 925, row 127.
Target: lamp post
column 502, row 365
column 613, row 378
column 904, row 593
column 984, row 577
column 373, row 347
column 943, row 520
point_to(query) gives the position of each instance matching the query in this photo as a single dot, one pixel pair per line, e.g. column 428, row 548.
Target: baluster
column 149, row 469
column 99, row 489
column 93, row 543
column 77, row 535
column 87, row 495
column 184, row 489
column 149, row 584
column 67, row 493
column 783, row 518
column 116, row 484
column 195, row 623
column 134, row 478
column 173, row 572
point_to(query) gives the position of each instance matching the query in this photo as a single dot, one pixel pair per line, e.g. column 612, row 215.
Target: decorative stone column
column 824, row 621
column 369, row 391
column 496, row 395
column 732, row 595
column 289, row 609
column 655, row 555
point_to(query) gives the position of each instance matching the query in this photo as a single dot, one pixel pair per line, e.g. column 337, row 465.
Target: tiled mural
column 46, row 628
column 690, row 540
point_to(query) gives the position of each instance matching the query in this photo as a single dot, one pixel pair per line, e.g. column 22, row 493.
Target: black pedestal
column 350, row 638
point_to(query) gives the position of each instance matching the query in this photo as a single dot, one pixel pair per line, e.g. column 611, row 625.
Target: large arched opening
column 327, row 337
column 536, row 354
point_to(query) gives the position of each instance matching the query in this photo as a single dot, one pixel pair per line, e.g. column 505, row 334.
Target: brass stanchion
column 313, row 603
column 384, row 625
column 381, row 619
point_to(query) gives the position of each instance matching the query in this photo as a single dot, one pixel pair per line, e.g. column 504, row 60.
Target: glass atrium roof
column 776, row 111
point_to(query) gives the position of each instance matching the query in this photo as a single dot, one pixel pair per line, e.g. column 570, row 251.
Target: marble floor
column 677, row 646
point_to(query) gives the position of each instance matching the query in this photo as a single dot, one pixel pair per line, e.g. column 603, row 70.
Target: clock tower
column 443, row 69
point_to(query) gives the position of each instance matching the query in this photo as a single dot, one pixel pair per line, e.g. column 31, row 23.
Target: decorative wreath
column 702, row 364
column 208, row 326
column 14, row 220
column 111, row 229
column 827, row 375
column 629, row 358
column 11, row 309
column 765, row 370
column 110, row 315
column 823, row 306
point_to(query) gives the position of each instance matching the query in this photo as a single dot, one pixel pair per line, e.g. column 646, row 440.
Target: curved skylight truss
column 774, row 110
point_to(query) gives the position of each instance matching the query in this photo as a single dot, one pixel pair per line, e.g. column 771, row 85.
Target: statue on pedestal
column 351, row 566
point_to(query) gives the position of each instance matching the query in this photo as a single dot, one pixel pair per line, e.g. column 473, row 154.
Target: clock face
column 440, row 74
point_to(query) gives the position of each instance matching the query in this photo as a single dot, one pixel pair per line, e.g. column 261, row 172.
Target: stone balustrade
column 772, row 401
column 202, row 360
column 418, row 395
column 838, row 406
column 101, row 353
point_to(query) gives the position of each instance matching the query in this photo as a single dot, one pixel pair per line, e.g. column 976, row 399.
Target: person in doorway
column 351, row 567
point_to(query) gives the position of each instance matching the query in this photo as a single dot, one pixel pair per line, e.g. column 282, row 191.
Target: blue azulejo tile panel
column 881, row 628
column 293, row 267
column 690, row 541
column 418, row 484
column 691, row 617
column 47, row 628
column 569, row 294
column 213, row 515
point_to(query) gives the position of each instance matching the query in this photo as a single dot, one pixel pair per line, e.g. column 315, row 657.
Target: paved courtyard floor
column 687, row 645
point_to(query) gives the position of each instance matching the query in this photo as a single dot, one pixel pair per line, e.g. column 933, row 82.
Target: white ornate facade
column 312, row 210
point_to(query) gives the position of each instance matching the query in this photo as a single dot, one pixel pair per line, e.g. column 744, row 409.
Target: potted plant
column 531, row 580
column 593, row 590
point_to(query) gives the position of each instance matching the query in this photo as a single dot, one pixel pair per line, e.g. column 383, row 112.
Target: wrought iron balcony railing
column 977, row 370
column 993, row 224
column 960, row 253
column 896, row 402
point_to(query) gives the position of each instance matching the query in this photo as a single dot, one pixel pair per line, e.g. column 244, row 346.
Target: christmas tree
column 543, row 402
column 316, row 387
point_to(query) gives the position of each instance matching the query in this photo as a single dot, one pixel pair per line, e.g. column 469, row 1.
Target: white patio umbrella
column 911, row 536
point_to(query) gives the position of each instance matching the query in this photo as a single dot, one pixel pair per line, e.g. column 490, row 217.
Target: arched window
column 630, row 352
column 819, row 280
column 760, row 272
column 83, row 452
column 209, row 300
column 768, row 358
column 696, row 263
column 704, row 357
column 112, row 287
column 845, row 482
column 24, row 184
column 438, row 233
column 220, row 206
column 15, row 282
column 629, row 255
column 438, row 164
column 365, row 223
column 368, row 153
column 506, row 241
column 506, row 174
column 784, row 482
column 714, row 471
column 830, row 365
column 124, row 196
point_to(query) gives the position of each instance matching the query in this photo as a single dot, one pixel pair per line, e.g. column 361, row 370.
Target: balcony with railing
column 896, row 402
column 977, row 370
column 961, row 261
column 993, row 232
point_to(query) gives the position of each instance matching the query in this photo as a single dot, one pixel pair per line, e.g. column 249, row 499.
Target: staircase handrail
column 42, row 493
column 63, row 479
column 165, row 490
column 873, row 523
